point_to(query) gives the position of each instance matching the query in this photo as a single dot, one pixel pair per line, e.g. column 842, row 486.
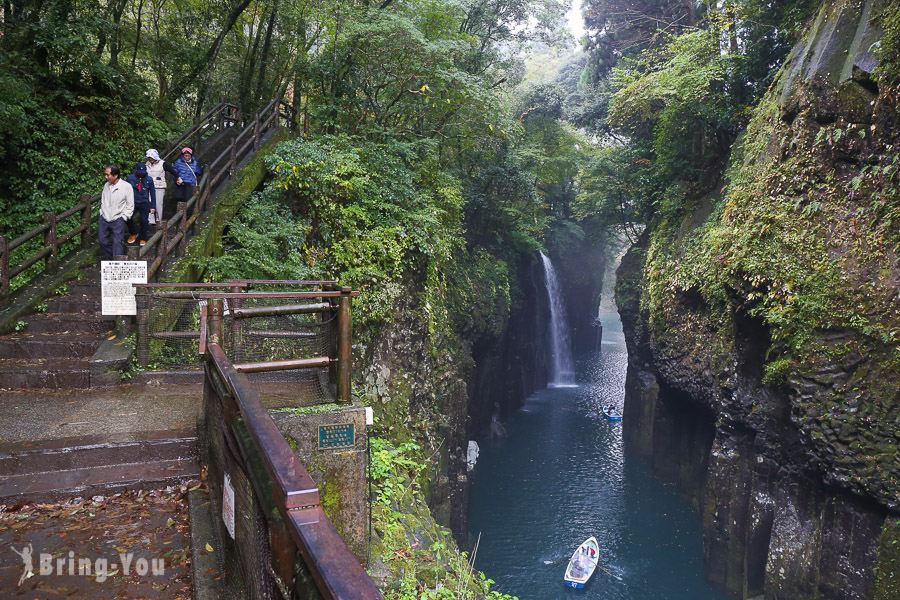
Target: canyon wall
column 763, row 327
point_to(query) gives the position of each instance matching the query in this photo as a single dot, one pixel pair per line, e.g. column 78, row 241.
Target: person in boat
column 582, row 565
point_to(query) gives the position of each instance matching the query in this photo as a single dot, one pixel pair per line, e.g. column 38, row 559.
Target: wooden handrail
column 335, row 570
column 88, row 206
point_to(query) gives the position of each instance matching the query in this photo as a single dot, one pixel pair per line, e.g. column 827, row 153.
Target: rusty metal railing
column 294, row 544
column 207, row 301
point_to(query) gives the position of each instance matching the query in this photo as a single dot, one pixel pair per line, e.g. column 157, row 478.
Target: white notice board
column 116, row 277
column 228, row 505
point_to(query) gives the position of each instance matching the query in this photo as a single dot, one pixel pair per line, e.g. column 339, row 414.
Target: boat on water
column 583, row 563
column 612, row 414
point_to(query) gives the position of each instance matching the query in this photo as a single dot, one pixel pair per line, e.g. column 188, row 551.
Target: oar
column 555, row 562
column 608, row 573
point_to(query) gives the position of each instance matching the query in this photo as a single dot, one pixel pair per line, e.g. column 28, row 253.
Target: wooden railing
column 299, row 528
column 171, row 234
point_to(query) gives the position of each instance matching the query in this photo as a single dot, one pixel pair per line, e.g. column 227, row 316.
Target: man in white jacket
column 116, row 206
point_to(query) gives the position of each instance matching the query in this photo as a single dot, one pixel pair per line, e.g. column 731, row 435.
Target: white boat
column 583, row 563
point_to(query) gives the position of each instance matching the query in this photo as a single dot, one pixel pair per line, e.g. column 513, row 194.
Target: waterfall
column 563, row 371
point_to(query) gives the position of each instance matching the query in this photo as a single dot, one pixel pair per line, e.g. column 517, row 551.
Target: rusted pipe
column 284, row 365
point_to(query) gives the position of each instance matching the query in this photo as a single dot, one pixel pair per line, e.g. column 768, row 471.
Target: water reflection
column 561, row 475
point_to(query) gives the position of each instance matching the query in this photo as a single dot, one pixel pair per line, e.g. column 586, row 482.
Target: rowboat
column 611, row 413
column 583, row 563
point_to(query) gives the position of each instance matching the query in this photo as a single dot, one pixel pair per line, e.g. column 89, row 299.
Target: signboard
column 116, row 277
column 228, row 505
column 339, row 435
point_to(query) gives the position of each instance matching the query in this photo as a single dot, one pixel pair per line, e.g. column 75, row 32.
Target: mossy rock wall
column 772, row 307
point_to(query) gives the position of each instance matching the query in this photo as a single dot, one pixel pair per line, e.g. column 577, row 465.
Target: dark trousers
column 111, row 237
column 183, row 193
column 142, row 213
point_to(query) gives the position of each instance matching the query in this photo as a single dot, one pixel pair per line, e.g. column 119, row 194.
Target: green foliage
column 372, row 212
column 887, row 571
column 428, row 564
column 680, row 93
column 889, row 46
column 264, row 241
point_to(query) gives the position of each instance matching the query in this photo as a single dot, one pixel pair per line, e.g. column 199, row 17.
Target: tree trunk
column 137, row 37
column 267, row 45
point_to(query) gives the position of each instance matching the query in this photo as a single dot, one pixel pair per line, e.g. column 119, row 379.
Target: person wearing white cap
column 157, row 169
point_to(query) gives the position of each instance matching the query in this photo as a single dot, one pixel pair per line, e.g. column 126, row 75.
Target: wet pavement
column 130, row 545
column 51, row 414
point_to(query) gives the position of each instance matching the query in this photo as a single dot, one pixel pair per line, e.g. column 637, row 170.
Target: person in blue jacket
column 189, row 172
column 144, row 198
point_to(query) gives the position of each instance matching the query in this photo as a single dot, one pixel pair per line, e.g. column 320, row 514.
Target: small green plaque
column 339, row 435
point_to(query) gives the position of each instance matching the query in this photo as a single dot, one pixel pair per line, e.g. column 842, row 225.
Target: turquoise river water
column 563, row 474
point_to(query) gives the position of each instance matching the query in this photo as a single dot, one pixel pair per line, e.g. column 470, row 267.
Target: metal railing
column 171, row 234
column 295, row 547
column 199, row 301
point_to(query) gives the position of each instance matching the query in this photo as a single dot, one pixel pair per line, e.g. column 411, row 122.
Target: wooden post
column 162, row 252
column 196, row 137
column 215, row 322
column 86, row 221
column 142, row 300
column 52, row 259
column 343, row 324
column 4, row 267
column 182, row 227
column 256, row 132
column 231, row 162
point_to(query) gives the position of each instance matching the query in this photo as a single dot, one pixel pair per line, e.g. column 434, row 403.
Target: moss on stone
column 209, row 241
column 887, row 574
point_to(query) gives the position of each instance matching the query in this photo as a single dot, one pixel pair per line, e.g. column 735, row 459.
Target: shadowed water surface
column 563, row 475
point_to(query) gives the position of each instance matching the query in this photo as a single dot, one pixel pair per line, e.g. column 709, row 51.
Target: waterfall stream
column 563, row 368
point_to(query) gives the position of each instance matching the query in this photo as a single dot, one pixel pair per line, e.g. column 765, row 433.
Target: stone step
column 84, row 287
column 65, row 323
column 21, row 374
column 74, row 304
column 91, row 451
column 50, row 346
column 92, row 481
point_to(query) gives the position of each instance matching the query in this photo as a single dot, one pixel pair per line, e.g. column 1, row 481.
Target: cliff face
column 764, row 331
column 458, row 353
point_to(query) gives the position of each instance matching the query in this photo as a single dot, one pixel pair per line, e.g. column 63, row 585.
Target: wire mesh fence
column 275, row 327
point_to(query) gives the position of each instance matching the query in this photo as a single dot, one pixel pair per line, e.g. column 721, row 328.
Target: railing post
column 343, row 324
column 182, row 227
column 163, row 251
column 52, row 259
column 256, row 132
column 4, row 267
column 214, row 322
column 196, row 137
column 231, row 162
column 237, row 328
column 142, row 300
column 86, row 221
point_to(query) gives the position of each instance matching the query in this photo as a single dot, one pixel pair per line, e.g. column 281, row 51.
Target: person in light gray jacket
column 116, row 207
column 157, row 169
